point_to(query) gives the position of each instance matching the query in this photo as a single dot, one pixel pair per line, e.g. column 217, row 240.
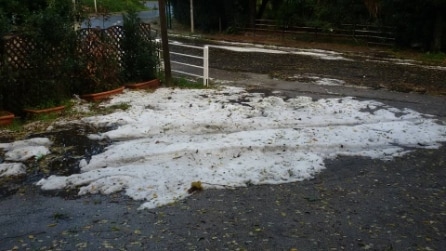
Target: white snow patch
column 12, row 169
column 318, row 80
column 229, row 138
column 247, row 47
column 25, row 149
column 321, row 54
column 250, row 49
column 407, row 62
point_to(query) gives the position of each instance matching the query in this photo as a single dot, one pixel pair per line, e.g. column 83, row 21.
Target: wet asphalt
column 355, row 204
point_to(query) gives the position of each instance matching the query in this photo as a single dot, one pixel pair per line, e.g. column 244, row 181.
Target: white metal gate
column 204, row 57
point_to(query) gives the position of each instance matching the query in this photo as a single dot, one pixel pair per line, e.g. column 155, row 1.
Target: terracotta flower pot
column 6, row 118
column 57, row 109
column 94, row 97
column 152, row 84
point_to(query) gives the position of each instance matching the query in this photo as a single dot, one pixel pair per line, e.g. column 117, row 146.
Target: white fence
column 202, row 54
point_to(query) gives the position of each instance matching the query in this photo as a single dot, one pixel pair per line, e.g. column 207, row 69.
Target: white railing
column 204, row 66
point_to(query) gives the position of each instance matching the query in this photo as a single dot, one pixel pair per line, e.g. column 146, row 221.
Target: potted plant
column 98, row 74
column 139, row 59
column 50, row 34
column 44, row 96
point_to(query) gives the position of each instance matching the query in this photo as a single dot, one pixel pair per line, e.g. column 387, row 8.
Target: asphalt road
column 105, row 21
column 355, row 204
column 428, row 104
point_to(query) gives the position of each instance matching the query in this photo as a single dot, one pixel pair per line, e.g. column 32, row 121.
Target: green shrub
column 97, row 66
column 113, row 5
column 139, row 52
column 41, row 78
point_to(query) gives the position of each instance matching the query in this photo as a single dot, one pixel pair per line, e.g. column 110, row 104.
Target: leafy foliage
column 140, row 59
column 42, row 81
column 54, row 60
column 210, row 15
column 17, row 11
column 113, row 5
column 97, row 65
column 420, row 23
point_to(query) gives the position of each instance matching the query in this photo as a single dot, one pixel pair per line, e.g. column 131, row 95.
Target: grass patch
column 428, row 58
column 188, row 84
column 68, row 104
column 435, row 58
column 96, row 108
column 113, row 5
column 121, row 106
column 48, row 117
column 15, row 126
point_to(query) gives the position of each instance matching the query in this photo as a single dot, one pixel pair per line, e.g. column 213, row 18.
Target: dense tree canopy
column 17, row 10
column 211, row 15
column 418, row 23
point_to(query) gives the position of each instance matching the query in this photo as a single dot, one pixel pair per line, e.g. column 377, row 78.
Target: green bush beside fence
column 46, row 61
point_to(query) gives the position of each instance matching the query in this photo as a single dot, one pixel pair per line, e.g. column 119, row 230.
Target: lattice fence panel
column 17, row 51
column 146, row 31
column 103, row 44
column 114, row 37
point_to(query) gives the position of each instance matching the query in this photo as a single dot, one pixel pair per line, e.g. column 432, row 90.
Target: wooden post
column 192, row 16
column 77, row 24
column 165, row 41
column 169, row 14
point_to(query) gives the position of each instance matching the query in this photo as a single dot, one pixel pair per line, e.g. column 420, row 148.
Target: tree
column 262, row 8
column 419, row 23
column 139, row 53
column 252, row 12
column 416, row 22
column 211, row 15
column 373, row 7
column 439, row 25
column 17, row 11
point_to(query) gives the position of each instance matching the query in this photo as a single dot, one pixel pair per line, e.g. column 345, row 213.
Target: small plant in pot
column 98, row 68
column 50, row 35
column 26, row 92
column 44, row 96
column 139, row 58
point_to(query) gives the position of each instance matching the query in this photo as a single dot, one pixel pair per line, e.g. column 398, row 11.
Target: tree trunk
column 372, row 7
column 262, row 9
column 438, row 29
column 165, row 42
column 252, row 13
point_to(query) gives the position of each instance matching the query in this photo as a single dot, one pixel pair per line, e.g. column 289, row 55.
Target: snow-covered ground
column 321, row 54
column 227, row 138
column 272, row 49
